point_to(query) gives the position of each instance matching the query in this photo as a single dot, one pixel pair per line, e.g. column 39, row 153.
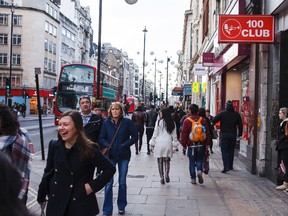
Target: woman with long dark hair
column 163, row 140
column 71, row 163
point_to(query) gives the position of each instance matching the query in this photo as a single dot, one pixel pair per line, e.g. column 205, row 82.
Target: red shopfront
column 31, row 98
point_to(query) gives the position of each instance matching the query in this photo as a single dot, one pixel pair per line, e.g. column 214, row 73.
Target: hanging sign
column 195, row 87
column 246, row 28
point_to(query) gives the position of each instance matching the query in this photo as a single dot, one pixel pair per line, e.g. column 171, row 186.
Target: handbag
column 105, row 150
column 281, row 172
column 214, row 133
column 205, row 165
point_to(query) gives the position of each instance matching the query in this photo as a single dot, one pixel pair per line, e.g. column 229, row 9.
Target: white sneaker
column 193, row 181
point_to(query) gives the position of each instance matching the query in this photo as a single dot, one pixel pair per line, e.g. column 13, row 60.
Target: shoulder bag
column 105, row 150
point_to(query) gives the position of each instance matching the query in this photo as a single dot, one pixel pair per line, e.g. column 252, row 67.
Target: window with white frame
column 47, row 26
column 54, row 48
column 49, row 64
column 3, row 38
column 54, row 66
column 17, row 39
column 50, row 46
column 72, row 37
column 47, row 8
column 45, row 63
column 46, row 44
column 17, row 20
column 16, row 59
column 50, row 28
column 64, row 31
column 3, row 58
column 3, row 19
column 54, row 31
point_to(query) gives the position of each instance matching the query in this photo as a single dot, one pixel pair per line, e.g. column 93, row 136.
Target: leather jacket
column 151, row 118
column 139, row 118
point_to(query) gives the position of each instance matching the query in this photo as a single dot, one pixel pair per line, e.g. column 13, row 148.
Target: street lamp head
column 151, row 53
column 179, row 52
column 131, row 1
column 145, row 30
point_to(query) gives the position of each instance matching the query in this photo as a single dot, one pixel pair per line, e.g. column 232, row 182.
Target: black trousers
column 149, row 133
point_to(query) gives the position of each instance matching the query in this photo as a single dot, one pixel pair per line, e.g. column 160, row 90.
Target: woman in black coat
column 68, row 178
column 282, row 145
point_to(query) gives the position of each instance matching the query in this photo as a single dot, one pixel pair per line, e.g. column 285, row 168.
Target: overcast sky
column 123, row 24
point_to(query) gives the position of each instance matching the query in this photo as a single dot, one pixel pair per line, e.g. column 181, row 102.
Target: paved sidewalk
column 234, row 193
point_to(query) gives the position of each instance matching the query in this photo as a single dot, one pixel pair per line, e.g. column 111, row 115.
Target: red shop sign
column 246, row 28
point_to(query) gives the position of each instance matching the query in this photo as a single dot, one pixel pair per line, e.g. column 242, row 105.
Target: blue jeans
column 122, row 191
column 228, row 142
column 195, row 156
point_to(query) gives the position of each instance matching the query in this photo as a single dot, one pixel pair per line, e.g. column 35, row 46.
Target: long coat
column 163, row 141
column 67, row 194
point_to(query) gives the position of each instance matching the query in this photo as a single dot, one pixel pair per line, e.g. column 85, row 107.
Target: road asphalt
column 237, row 192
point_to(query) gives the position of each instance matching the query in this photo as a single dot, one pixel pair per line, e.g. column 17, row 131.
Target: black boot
column 160, row 168
column 167, row 169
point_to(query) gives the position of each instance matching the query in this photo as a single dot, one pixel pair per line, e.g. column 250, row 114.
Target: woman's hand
column 88, row 189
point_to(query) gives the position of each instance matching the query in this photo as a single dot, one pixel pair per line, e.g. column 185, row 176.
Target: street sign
column 246, row 28
column 37, row 70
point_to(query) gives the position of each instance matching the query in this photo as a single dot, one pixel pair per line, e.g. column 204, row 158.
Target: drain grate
column 135, row 176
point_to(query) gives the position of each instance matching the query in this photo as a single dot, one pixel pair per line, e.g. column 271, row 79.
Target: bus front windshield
column 75, row 81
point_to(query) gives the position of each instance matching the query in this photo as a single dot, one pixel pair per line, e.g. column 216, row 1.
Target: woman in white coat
column 162, row 142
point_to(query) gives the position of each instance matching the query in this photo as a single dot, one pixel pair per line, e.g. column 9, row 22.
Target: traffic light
column 155, row 97
column 54, row 90
column 162, row 96
column 150, row 96
column 7, row 86
column 23, row 92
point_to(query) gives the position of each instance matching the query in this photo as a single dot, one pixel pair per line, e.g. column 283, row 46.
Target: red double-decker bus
column 76, row 80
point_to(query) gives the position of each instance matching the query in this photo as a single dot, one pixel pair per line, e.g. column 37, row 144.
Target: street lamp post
column 143, row 83
column 99, row 51
column 168, row 60
column 155, row 60
column 11, row 56
column 99, row 46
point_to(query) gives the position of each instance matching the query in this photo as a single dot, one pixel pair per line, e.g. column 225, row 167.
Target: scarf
column 21, row 156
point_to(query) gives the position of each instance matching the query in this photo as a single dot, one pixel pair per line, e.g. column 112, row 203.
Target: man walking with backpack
column 195, row 136
column 230, row 121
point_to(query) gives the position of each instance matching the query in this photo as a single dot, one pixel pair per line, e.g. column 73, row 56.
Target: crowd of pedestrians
column 87, row 142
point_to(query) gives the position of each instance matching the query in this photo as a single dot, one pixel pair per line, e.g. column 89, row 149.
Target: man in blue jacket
column 230, row 121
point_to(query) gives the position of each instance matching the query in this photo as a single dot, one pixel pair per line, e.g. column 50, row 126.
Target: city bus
column 131, row 104
column 76, row 80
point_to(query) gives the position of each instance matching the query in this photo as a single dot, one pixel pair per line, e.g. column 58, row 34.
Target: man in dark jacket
column 150, row 124
column 139, row 118
column 230, row 121
column 92, row 123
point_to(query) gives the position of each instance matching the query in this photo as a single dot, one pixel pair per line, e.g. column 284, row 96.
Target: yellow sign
column 204, row 86
column 195, row 87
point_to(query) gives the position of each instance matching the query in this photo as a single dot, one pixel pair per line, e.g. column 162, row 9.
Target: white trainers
column 193, row 181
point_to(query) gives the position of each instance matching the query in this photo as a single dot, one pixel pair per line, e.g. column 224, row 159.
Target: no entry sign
column 246, row 28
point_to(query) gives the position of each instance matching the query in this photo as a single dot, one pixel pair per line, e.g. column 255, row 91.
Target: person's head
column 229, row 105
column 207, row 112
column 152, row 107
column 283, row 113
column 71, row 130
column 165, row 114
column 85, row 104
column 201, row 112
column 116, row 110
column 97, row 109
column 193, row 109
column 9, row 124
